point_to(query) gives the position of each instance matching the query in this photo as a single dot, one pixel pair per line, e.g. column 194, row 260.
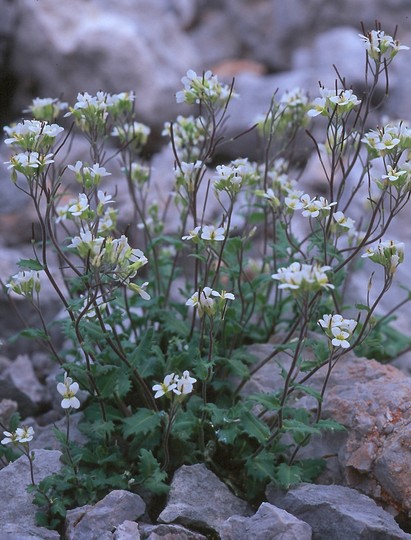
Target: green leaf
column 173, row 325
column 30, row 264
column 363, row 307
column 310, row 468
column 139, row 358
column 287, row 475
column 144, row 421
column 150, row 473
column 331, row 425
column 261, row 467
column 270, row 401
column 254, row 427
column 30, row 333
column 295, row 426
column 308, row 390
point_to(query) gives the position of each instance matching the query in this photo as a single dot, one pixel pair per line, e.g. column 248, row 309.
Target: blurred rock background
column 57, row 49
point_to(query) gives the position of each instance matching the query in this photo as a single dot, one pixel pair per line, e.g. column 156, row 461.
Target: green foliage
column 384, row 342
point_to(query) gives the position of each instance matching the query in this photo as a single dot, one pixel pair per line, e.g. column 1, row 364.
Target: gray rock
column 21, row 374
column 372, row 401
column 15, row 531
column 268, row 523
column 128, row 530
column 338, row 512
column 198, row 498
column 91, row 46
column 15, row 502
column 96, row 522
column 168, row 532
column 7, row 408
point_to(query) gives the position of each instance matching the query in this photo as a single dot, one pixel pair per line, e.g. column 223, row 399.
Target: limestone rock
column 269, row 522
column 338, row 512
column 97, row 45
column 13, row 481
column 96, row 522
column 198, row 498
column 128, row 530
column 168, row 532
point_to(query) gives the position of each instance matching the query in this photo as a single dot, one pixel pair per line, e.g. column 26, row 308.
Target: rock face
column 123, row 45
column 338, row 512
column 373, row 402
column 198, row 498
column 17, row 516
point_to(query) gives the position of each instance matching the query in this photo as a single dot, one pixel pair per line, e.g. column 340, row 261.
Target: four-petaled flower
column 68, row 389
column 168, row 385
column 211, row 233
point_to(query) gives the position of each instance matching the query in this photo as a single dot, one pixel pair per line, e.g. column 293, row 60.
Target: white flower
column 203, row 301
column 79, row 206
column 68, row 389
column 76, row 168
column 96, row 170
column 343, row 221
column 211, row 233
column 168, row 385
column 139, row 289
column 185, row 383
column 9, row 437
column 103, row 198
column 22, row 435
column 25, row 434
column 224, row 295
column 339, row 337
column 192, row 234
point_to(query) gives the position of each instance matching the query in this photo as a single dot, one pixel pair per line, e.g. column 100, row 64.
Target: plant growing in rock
column 158, row 334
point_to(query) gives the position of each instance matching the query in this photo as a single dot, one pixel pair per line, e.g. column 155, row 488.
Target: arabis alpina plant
column 273, row 265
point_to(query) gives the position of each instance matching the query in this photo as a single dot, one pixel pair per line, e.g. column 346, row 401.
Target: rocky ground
column 56, row 48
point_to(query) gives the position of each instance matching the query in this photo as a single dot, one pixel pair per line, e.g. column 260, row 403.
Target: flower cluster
column 46, row 109
column 24, row 283
column 29, row 164
column 187, row 175
column 112, row 256
column 336, row 101
column 181, row 386
column 135, row 133
column 230, row 178
column 91, row 112
column 203, row 88
column 311, row 207
column 32, row 135
column 204, row 300
column 298, row 276
column 338, row 329
column 68, row 389
column 292, row 108
column 188, row 134
column 388, row 253
column 22, row 435
column 380, row 46
column 88, row 175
